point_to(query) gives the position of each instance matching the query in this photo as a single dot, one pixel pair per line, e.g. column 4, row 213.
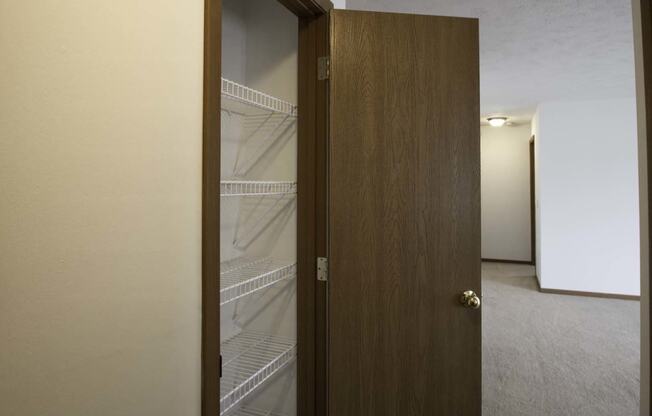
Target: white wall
column 588, row 196
column 339, row 4
column 100, row 214
column 505, row 174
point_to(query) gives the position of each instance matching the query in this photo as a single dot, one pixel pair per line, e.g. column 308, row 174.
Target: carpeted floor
column 556, row 355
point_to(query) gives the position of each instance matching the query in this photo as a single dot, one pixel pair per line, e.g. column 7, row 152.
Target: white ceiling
column 539, row 50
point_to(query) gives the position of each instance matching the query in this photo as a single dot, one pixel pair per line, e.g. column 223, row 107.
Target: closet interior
column 258, row 234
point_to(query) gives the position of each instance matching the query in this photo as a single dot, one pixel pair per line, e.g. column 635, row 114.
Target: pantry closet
column 341, row 212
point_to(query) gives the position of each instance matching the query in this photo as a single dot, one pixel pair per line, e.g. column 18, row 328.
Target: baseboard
column 566, row 292
column 586, row 294
column 531, row 263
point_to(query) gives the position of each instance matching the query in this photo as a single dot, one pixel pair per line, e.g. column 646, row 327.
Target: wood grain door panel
column 404, row 215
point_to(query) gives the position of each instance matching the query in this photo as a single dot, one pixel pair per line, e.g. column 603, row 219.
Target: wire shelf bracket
column 242, row 277
column 262, row 140
column 277, row 212
column 249, row 360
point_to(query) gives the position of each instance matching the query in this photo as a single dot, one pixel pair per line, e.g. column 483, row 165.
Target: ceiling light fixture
column 497, row 121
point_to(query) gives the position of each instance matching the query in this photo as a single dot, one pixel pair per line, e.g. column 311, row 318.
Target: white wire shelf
column 248, row 360
column 244, row 276
column 249, row 411
column 247, row 101
column 255, row 188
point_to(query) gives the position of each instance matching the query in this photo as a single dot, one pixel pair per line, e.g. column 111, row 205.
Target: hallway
column 556, row 355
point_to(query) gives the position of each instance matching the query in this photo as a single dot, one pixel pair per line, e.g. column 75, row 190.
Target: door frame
column 642, row 17
column 311, row 237
column 533, row 205
column 312, row 220
column 211, row 131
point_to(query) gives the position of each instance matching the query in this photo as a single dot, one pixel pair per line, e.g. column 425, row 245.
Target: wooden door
column 404, row 216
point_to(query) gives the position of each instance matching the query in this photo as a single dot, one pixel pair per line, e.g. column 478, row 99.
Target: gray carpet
column 556, row 355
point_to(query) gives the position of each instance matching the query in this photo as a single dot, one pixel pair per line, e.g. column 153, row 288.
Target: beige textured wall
column 100, row 215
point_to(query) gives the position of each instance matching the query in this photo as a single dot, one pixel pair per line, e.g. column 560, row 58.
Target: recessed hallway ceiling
column 539, row 50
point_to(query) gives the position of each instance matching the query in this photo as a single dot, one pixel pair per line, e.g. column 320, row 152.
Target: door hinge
column 322, row 269
column 323, row 68
column 220, row 365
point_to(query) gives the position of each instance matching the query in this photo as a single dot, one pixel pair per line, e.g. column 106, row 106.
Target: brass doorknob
column 470, row 300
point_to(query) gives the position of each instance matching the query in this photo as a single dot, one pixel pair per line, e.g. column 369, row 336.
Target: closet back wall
column 100, row 215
